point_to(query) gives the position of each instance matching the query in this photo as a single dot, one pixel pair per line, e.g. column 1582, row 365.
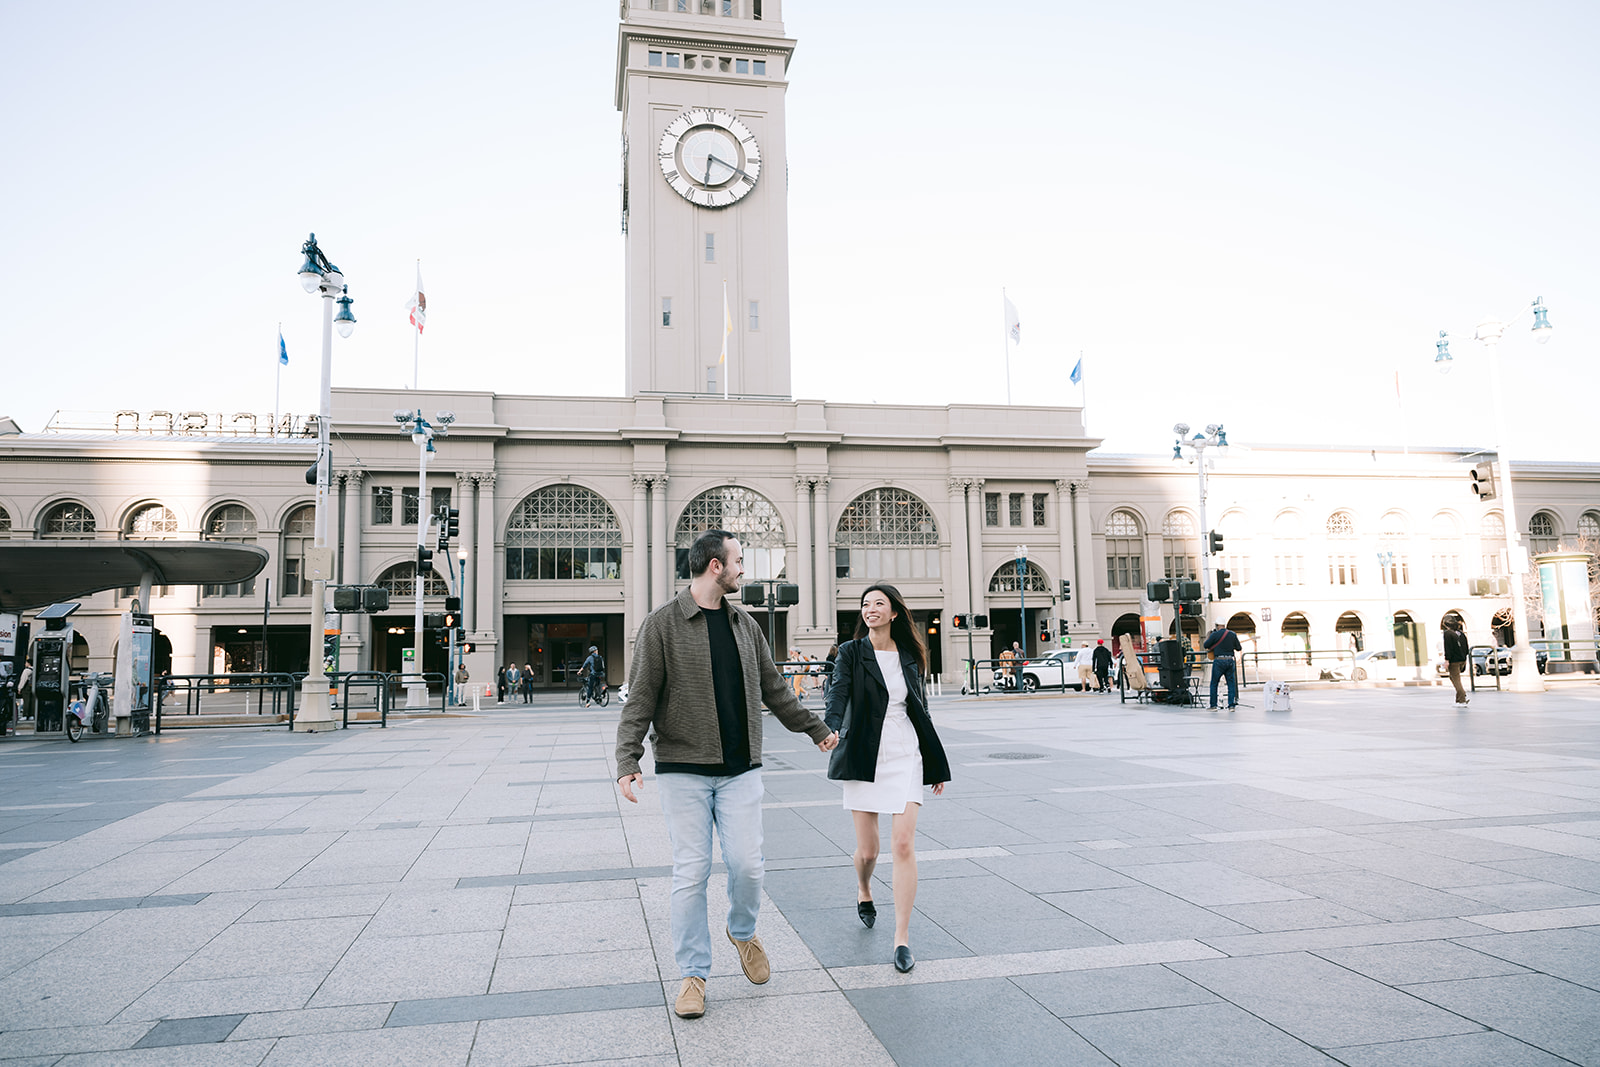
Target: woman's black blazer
column 858, row 699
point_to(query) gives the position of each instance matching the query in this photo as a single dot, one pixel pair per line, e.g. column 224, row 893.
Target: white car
column 1055, row 670
column 1376, row 665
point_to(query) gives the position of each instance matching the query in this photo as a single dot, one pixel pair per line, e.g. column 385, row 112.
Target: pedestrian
column 701, row 672
column 1084, row 661
column 1223, row 644
column 513, row 679
column 827, row 670
column 500, row 684
column 1456, row 653
column 462, row 678
column 1008, row 677
column 527, row 683
column 592, row 671
column 799, row 677
column 888, row 749
column 1102, row 665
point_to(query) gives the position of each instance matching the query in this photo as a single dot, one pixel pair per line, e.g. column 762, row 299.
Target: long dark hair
column 902, row 630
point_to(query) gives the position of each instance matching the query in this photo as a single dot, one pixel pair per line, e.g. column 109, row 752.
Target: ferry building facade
column 576, row 511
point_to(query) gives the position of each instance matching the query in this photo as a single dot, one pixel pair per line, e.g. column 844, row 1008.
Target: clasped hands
column 629, row 782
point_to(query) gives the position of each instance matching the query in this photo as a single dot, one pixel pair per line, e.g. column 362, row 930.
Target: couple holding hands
column 701, row 674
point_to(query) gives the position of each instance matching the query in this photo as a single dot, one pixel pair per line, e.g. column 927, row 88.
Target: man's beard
column 726, row 584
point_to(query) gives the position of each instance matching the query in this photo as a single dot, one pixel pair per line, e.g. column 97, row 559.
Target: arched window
column 564, row 531
column 747, row 515
column 1353, row 633
column 1446, row 536
column 1180, row 546
column 1588, row 526
column 1542, row 533
column 67, row 521
column 1289, row 549
column 235, row 523
column 1341, row 558
column 153, row 522
column 401, row 579
column 299, row 533
column 1341, row 525
column 1005, row 578
column 886, row 533
column 5, row 524
column 1492, row 535
column 1124, row 551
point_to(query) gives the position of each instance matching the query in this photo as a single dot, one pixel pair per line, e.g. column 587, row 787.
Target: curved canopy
column 36, row 573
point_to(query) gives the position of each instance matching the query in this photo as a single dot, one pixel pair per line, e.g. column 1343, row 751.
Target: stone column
column 806, row 565
column 827, row 599
column 491, row 623
column 660, row 547
column 468, row 589
column 353, row 627
column 636, row 578
column 976, row 576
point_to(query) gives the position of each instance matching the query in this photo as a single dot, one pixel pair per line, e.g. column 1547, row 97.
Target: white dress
column 898, row 781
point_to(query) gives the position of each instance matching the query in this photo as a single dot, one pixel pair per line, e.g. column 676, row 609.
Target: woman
column 888, row 749
column 527, row 683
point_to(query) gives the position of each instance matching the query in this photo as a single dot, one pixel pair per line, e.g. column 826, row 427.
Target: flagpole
column 277, row 386
column 416, row 338
column 1083, row 383
column 1005, row 330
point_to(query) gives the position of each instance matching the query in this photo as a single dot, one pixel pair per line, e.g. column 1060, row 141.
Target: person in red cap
column 1102, row 665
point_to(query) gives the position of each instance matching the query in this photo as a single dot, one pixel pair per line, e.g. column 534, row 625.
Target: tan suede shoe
column 753, row 958
column 691, row 1003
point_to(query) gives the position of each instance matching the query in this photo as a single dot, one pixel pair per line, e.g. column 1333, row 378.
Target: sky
column 1249, row 213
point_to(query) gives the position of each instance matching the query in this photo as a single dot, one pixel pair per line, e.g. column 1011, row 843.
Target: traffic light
column 980, row 622
column 1216, row 543
column 1189, row 607
column 449, row 524
column 1066, row 590
column 346, row 598
column 787, row 594
column 460, row 634
column 374, row 598
column 1063, row 625
column 1483, row 481
column 1224, row 587
column 958, row 622
column 1157, row 592
column 433, row 621
column 452, row 604
column 1186, row 590
column 465, row 647
column 450, row 620
column 1044, row 631
column 424, row 560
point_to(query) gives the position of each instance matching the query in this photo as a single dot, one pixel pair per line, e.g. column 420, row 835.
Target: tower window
column 761, row 66
column 727, row 8
column 755, row 315
column 741, row 66
column 672, row 59
column 683, row 5
column 666, row 311
column 655, row 59
column 711, row 248
column 756, row 9
column 724, row 64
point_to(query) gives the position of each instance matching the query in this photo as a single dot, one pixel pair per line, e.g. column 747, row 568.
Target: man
column 701, row 672
column 1084, row 662
column 513, row 678
column 1102, row 665
column 593, row 669
column 1223, row 644
column 1456, row 653
column 462, row 678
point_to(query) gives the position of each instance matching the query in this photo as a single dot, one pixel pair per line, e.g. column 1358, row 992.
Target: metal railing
column 1300, row 665
column 1564, row 656
column 352, row 682
column 432, row 679
column 258, row 698
column 816, row 675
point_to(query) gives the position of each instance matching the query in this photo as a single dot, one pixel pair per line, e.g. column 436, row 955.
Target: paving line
column 1008, row 965
column 42, row 807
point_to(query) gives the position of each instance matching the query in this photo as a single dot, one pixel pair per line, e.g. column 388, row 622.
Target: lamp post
column 1385, row 561
column 1022, row 591
column 1213, row 437
column 319, row 276
column 1524, row 677
column 422, row 433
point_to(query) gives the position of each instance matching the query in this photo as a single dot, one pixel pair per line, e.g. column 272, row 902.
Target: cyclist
column 592, row 672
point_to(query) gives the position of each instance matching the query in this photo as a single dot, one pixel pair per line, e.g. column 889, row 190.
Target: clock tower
column 700, row 84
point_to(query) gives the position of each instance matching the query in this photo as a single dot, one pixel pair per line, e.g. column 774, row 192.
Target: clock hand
column 713, row 159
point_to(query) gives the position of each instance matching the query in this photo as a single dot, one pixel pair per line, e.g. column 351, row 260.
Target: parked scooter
column 92, row 709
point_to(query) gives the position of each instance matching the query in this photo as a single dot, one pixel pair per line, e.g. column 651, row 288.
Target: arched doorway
column 1296, row 631
column 1243, row 625
column 1351, row 634
column 1128, row 624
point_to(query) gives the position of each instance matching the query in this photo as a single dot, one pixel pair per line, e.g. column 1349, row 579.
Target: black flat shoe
column 868, row 913
column 903, row 960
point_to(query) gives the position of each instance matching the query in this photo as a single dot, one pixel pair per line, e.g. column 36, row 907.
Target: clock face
column 709, row 157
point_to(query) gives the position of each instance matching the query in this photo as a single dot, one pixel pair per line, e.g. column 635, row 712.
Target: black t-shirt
column 727, row 680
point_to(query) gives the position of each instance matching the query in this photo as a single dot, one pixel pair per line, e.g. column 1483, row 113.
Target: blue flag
column 1077, row 371
column 283, row 351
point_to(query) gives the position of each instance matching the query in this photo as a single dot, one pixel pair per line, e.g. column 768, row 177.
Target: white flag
column 1013, row 322
column 418, row 304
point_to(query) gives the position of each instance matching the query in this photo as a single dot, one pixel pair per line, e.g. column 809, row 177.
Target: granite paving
column 1375, row 877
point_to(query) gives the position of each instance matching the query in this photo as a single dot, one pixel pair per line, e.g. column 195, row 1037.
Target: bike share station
column 42, row 578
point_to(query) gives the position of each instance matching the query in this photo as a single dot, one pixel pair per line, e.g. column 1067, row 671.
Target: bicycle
column 95, row 704
column 596, row 692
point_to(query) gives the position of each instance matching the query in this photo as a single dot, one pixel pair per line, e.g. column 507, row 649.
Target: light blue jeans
column 693, row 804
